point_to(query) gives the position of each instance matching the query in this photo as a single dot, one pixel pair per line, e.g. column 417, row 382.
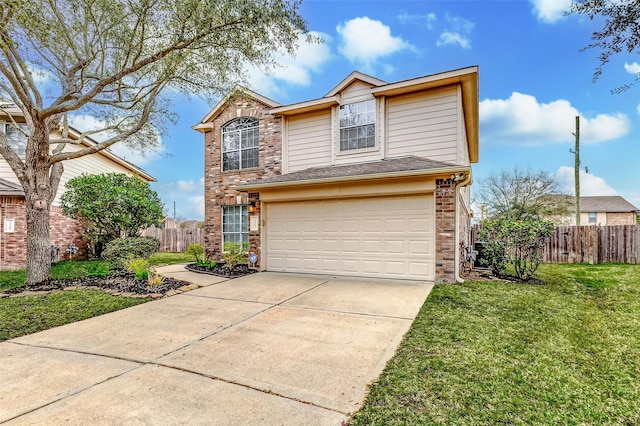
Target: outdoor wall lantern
column 252, row 207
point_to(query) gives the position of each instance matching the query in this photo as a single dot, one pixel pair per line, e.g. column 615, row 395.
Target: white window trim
column 244, row 208
column 240, row 149
column 375, row 123
column 3, row 129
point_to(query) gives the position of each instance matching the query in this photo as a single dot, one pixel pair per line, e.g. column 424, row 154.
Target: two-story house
column 64, row 232
column 370, row 180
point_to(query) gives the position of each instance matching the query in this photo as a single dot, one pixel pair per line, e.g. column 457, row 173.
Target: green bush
column 514, row 242
column 197, row 251
column 140, row 267
column 234, row 254
column 119, row 251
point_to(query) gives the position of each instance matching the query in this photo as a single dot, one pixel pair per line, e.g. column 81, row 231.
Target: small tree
column 522, row 193
column 515, row 242
column 111, row 206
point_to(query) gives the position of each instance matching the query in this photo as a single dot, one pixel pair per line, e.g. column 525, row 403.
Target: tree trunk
column 38, row 243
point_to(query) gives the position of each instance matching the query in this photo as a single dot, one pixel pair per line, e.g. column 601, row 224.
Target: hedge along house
column 65, row 233
column 370, row 180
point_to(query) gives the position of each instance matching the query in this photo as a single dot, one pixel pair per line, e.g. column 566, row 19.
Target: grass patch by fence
column 567, row 352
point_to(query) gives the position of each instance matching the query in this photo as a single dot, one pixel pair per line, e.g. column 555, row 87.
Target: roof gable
column 238, row 90
column 353, row 77
column 10, row 188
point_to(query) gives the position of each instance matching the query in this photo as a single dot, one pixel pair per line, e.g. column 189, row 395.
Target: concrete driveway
column 267, row 349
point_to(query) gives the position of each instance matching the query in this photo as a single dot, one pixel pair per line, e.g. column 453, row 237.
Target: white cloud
column 85, row 123
column 457, row 32
column 187, row 196
column 453, row 38
column 365, row 40
column 427, row 20
column 633, row 68
column 297, row 69
column 522, row 120
column 550, row 11
column 590, row 184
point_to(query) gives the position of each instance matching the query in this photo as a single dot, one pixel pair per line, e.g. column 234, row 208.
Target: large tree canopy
column 620, row 32
column 116, row 60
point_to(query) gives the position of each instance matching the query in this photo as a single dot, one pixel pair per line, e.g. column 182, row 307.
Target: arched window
column 240, row 144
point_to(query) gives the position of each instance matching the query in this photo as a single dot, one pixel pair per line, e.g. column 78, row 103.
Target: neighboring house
column 64, row 231
column 370, row 180
column 607, row 210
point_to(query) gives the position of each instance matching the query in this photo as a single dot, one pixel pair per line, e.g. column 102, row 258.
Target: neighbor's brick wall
column 13, row 246
column 218, row 184
column 445, row 230
column 621, row 219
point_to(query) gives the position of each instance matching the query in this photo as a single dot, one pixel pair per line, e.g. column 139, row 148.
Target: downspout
column 456, row 266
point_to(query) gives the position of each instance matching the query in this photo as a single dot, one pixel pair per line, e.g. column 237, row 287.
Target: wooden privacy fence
column 176, row 240
column 594, row 244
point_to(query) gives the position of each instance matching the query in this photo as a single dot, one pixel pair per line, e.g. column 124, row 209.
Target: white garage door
column 390, row 237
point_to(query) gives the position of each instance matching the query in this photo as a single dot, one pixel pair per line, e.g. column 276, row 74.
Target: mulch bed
column 120, row 282
column 221, row 270
column 116, row 282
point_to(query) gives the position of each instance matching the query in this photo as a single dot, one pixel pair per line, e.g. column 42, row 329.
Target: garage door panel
column 381, row 237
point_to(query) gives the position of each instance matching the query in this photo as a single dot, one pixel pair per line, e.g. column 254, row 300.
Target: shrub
column 234, row 254
column 119, row 251
column 197, row 251
column 140, row 267
column 515, row 242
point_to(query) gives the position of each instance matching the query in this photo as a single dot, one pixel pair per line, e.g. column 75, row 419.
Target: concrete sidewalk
column 266, row 349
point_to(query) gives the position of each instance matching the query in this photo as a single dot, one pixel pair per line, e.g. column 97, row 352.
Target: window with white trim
column 358, row 125
column 593, row 217
column 16, row 138
column 235, row 226
column 240, row 144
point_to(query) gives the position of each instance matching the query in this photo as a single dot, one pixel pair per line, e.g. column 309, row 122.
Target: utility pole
column 576, row 152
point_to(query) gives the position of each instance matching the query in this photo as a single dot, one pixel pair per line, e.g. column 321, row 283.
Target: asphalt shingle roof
column 404, row 164
column 614, row 204
column 10, row 188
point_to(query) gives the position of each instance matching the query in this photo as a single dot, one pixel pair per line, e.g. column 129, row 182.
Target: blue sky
column 533, row 82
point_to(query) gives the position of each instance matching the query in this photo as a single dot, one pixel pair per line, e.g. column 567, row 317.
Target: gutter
column 456, row 266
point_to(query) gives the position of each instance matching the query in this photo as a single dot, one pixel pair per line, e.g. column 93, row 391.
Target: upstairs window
column 16, row 139
column 240, row 144
column 358, row 125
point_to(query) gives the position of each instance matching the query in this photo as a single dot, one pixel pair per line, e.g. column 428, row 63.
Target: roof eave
column 308, row 106
column 353, row 178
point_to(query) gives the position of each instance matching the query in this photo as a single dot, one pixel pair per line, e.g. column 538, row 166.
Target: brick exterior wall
column 13, row 246
column 218, row 184
column 445, row 230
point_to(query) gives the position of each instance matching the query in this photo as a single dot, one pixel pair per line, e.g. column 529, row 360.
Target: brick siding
column 445, row 230
column 13, row 246
column 218, row 184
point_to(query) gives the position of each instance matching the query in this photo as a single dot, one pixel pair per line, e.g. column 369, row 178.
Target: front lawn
column 567, row 352
column 28, row 314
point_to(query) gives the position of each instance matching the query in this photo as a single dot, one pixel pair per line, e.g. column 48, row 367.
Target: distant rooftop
column 613, row 203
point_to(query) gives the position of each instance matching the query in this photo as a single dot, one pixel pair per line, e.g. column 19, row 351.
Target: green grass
column 83, row 268
column 28, row 314
column 567, row 352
